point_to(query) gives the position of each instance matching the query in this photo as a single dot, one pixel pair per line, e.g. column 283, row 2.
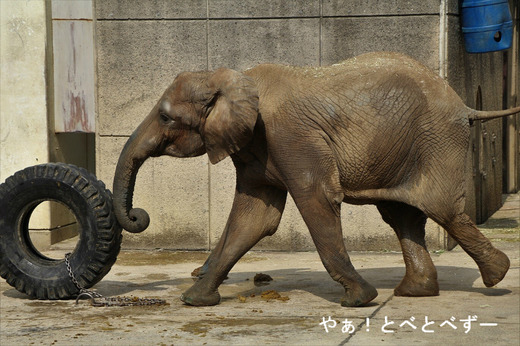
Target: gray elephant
column 378, row 129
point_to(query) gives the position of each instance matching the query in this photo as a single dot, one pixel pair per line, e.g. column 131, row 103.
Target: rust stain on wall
column 78, row 117
column 74, row 70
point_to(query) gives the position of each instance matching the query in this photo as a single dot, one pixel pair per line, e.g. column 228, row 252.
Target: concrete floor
column 244, row 317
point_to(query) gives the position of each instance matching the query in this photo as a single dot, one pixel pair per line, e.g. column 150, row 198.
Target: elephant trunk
column 134, row 220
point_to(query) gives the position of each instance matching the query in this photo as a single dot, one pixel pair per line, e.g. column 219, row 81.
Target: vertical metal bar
column 512, row 150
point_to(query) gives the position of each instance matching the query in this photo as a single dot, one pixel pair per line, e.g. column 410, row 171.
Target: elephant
column 379, row 128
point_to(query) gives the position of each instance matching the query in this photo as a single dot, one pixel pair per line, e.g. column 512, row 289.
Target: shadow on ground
column 318, row 283
column 500, row 223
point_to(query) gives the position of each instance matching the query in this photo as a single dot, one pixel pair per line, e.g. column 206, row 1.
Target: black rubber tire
column 22, row 265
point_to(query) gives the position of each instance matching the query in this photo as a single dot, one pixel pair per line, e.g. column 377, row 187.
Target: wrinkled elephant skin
column 377, row 129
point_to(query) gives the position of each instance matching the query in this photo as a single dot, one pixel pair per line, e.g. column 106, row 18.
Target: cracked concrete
column 313, row 298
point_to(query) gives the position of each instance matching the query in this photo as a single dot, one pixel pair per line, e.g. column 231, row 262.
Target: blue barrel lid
column 476, row 3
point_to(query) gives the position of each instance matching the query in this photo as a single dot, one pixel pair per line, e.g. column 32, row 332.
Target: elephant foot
column 417, row 287
column 358, row 295
column 196, row 296
column 493, row 271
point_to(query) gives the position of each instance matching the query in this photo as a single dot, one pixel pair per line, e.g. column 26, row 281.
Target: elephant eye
column 165, row 118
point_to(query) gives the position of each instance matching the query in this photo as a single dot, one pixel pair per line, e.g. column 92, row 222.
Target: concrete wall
column 27, row 98
column 23, row 95
column 140, row 49
column 73, row 57
column 71, row 81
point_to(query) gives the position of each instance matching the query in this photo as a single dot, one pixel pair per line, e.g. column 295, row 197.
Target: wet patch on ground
column 47, row 303
column 202, row 327
column 505, row 223
column 157, row 276
column 143, row 258
column 160, row 257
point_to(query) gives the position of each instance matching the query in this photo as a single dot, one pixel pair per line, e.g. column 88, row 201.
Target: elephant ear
column 230, row 123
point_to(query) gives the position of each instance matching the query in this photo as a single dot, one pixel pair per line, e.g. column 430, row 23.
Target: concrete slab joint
column 139, row 52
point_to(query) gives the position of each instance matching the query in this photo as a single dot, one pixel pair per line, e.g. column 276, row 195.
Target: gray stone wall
column 141, row 48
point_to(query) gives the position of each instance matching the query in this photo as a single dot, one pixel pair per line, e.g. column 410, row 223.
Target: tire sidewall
column 49, row 278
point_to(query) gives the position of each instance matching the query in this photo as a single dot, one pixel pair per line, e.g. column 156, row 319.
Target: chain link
column 108, row 301
column 82, row 290
column 126, row 301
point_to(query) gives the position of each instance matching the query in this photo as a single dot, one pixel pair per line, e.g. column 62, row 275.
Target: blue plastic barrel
column 487, row 25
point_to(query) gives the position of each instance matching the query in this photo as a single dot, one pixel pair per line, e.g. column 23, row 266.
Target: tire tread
column 107, row 230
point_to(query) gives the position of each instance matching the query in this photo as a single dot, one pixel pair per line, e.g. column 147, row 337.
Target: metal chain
column 126, row 301
column 108, row 301
column 82, row 290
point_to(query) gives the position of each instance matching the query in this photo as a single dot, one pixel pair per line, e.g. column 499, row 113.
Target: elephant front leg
column 256, row 213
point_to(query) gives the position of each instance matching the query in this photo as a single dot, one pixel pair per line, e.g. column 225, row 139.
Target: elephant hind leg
column 322, row 217
column 408, row 223
column 493, row 263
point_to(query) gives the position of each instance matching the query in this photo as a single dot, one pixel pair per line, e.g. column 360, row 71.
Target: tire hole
column 53, row 230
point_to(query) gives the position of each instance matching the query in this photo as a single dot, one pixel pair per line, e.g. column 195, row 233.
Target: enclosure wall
column 140, row 50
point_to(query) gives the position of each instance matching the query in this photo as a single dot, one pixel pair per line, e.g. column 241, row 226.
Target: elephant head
column 200, row 112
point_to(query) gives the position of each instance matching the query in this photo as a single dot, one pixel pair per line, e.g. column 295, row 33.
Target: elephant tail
column 488, row 115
